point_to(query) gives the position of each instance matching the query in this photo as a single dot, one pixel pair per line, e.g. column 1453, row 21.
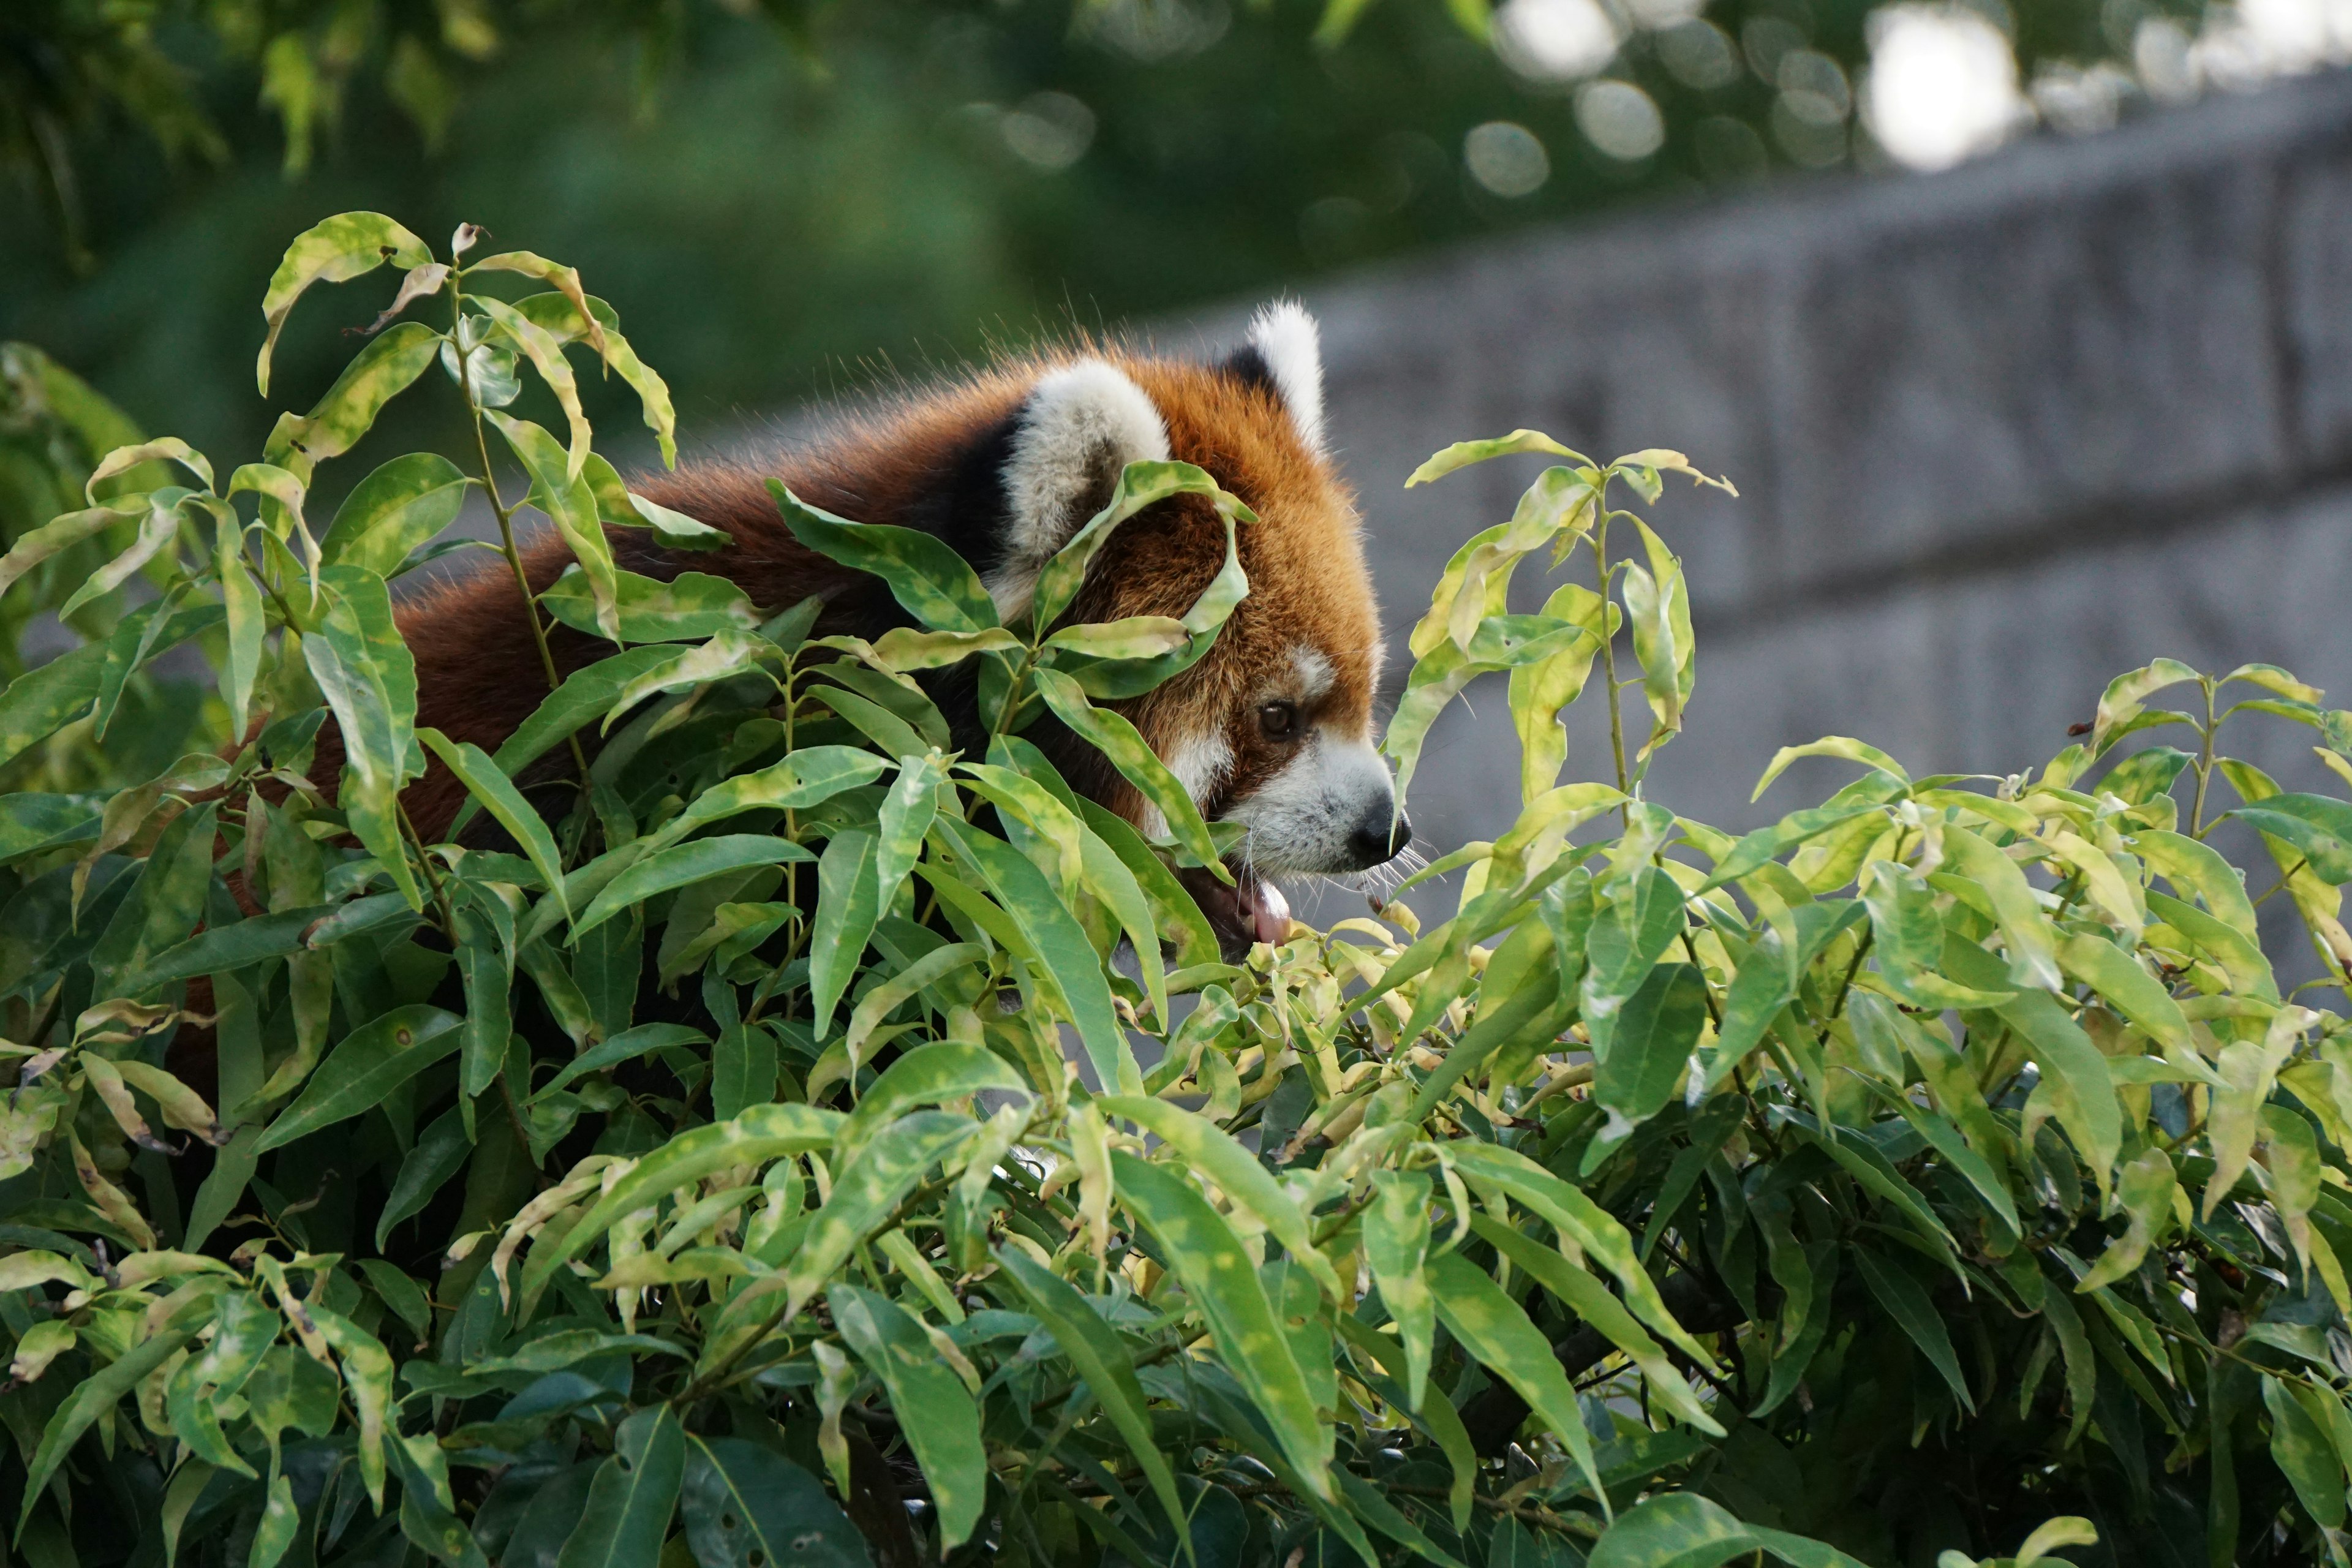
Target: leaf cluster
column 766, row 1153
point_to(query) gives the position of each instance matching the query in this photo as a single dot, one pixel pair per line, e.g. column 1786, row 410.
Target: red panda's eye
column 1278, row 720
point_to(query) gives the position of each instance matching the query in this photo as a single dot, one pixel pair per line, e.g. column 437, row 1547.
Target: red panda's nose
column 1381, row 836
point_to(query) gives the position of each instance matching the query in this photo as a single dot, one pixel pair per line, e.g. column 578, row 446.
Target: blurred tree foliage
column 895, row 177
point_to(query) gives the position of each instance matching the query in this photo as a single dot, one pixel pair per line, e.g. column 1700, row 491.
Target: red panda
column 1272, row 728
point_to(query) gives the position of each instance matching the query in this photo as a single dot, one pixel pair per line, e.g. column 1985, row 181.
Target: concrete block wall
column 1998, row 434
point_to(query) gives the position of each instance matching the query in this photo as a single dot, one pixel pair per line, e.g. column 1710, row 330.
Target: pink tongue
column 1270, row 913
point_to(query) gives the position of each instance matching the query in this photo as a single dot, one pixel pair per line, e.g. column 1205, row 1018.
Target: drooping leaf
column 336, row 250
column 934, row 1410
column 633, row 1496
column 1203, row 1252
column 749, row 1507
column 931, row 580
column 369, row 1064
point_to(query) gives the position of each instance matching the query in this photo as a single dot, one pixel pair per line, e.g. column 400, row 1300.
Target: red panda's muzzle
column 1251, row 911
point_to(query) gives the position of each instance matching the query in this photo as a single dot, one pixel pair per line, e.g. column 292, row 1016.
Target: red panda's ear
column 1082, row 424
column 1284, row 350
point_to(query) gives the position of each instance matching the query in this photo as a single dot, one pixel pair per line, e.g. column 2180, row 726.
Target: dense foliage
column 762, row 1159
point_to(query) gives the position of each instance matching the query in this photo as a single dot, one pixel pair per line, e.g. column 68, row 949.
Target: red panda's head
column 1274, row 728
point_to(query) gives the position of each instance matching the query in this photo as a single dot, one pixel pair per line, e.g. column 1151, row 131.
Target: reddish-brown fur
column 479, row 676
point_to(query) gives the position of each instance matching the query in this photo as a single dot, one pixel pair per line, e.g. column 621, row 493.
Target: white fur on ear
column 1288, row 340
column 1083, row 423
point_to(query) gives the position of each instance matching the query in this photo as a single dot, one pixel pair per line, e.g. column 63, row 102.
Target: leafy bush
column 709, row 1177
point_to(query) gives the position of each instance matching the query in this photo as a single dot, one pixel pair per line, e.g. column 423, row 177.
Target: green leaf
column 1582, row 1223
column 47, row 698
column 759, row 1132
column 1639, row 919
column 1396, row 1246
column 1839, row 746
column 806, row 777
column 58, row 534
column 1876, row 1175
column 387, row 367
column 545, row 352
column 1462, row 454
column 558, row 489
column 632, row 1499
column 248, row 626
column 1541, row 692
column 585, row 694
column 848, row 905
column 1236, row 1172
column 904, row 649
column 1205, row 1254
column 488, row 783
column 1503, row 642
column 749, row 1507
column 927, row 1075
column 529, row 263
column 2239, row 954
column 1684, row 1530
column 2145, row 1193
column 369, row 680
column 1140, row 484
column 2300, row 1448
column 557, row 314
column 347, row 246
column 438, row 1153
column 1066, row 960
column 2119, row 979
column 1590, row 1301
column 1100, row 1360
column 157, row 530
column 625, row 1046
column 228, row 947
column 1180, row 919
column 32, row 822
column 883, row 999
column 1437, row 1417
column 369, row 1064
column 688, row 607
column 1908, row 1303
column 548, row 1520
column 2072, row 1070
column 1122, row 744
column 906, row 817
column 682, row 865
column 401, row 506
column 1657, row 604
column 486, row 965
column 1136, row 637
column 2317, row 825
column 1651, row 1044
column 934, row 584
column 1494, row 1332
column 2031, row 942
column 866, row 1192
column 935, row 1411
column 1907, row 940
column 274, row 1532
column 2126, row 694
column 100, row 1393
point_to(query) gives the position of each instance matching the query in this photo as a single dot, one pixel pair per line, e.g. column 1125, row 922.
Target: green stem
column 505, row 515
column 1608, row 652
column 2204, row 765
column 432, row 877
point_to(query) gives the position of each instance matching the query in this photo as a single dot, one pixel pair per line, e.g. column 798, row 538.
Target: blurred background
column 2025, row 328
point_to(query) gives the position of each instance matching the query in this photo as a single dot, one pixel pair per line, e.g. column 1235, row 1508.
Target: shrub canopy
column 762, row 1159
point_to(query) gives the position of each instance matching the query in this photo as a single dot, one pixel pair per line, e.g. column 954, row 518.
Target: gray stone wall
column 1998, row 435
